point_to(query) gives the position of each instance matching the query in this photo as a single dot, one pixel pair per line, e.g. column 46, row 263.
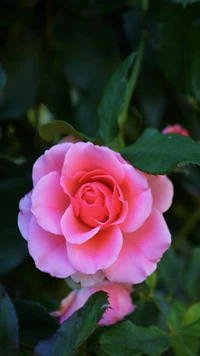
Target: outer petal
column 88, row 157
column 99, row 252
column 138, row 195
column 119, row 299
column 74, row 301
column 120, row 302
column 162, row 191
column 74, row 230
column 67, row 307
column 52, row 160
column 25, row 215
column 49, row 251
column 49, row 202
column 141, row 251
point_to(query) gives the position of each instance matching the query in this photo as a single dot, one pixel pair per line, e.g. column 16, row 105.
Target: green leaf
column 192, row 275
column 184, row 345
column 8, row 326
column 13, row 248
column 156, row 153
column 23, row 76
column 34, row 323
column 74, row 331
column 151, row 280
column 128, row 339
column 191, row 320
column 113, row 100
column 181, row 343
column 176, row 313
column 58, row 127
column 146, row 313
column 168, row 269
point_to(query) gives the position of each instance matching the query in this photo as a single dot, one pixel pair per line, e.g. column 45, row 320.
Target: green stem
column 145, row 6
column 71, row 284
column 163, row 315
column 132, row 84
column 133, row 79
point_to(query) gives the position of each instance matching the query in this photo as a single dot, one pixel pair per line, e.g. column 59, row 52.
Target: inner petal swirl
column 91, row 199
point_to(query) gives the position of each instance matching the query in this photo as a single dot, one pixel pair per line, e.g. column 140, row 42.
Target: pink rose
column 177, row 129
column 91, row 215
column 119, row 299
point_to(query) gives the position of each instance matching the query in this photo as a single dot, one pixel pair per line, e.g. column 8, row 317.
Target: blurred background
column 55, row 59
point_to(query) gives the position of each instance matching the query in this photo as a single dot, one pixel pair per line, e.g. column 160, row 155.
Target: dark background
column 55, row 58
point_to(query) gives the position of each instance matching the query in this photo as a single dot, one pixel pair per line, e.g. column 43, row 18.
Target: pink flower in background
column 69, row 138
column 177, row 129
column 119, row 299
column 93, row 216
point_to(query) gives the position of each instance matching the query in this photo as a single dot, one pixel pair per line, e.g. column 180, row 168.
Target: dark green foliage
column 74, row 331
column 113, row 100
column 114, row 73
column 8, row 326
column 129, row 339
column 34, row 323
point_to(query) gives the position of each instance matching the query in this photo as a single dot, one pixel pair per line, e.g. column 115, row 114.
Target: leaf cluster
column 114, row 73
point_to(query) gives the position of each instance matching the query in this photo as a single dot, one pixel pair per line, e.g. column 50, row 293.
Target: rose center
column 91, row 199
column 89, row 196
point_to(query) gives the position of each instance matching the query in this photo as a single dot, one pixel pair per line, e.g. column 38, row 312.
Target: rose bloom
column 93, row 216
column 177, row 129
column 119, row 299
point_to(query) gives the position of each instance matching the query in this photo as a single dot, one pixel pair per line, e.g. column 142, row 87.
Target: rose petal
column 49, row 251
column 49, row 202
column 91, row 200
column 99, row 252
column 120, row 302
column 138, row 195
column 119, row 299
column 120, row 158
column 117, row 207
column 25, row 215
column 141, row 251
column 74, row 301
column 52, row 160
column 67, row 305
column 177, row 129
column 162, row 191
column 88, row 157
column 93, row 215
column 74, row 230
